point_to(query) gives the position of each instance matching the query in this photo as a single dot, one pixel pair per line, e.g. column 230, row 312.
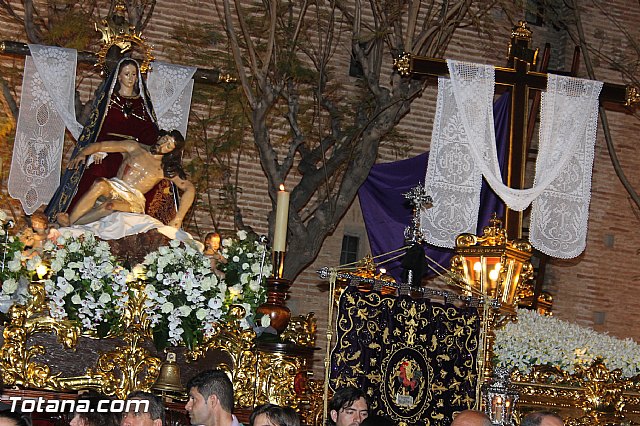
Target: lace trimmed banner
column 46, row 104
column 463, row 147
column 170, row 88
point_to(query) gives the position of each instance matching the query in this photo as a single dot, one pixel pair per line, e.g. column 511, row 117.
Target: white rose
column 167, row 308
column 9, row 286
column 75, row 299
column 226, row 242
column 69, row 274
column 104, row 298
column 185, row 310
column 245, row 265
column 254, row 286
column 242, row 234
column 236, row 259
column 244, row 278
column 265, row 321
column 201, row 314
column 73, row 247
column 164, row 250
column 255, row 268
column 15, row 264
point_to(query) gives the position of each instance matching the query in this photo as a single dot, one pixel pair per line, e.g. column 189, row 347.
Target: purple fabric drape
column 386, row 212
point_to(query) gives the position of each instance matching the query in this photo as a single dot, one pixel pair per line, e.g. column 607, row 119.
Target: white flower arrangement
column 17, row 270
column 246, row 266
column 184, row 296
column 545, row 340
column 85, row 282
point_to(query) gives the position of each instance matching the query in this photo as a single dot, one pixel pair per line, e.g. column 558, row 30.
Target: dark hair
column 93, row 417
column 345, row 397
column 214, row 382
column 280, row 416
column 18, row 418
column 156, row 406
column 123, row 63
column 535, row 418
column 172, row 161
column 376, row 420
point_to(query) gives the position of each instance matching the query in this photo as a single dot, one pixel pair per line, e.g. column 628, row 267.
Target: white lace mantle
column 463, row 149
column 46, row 105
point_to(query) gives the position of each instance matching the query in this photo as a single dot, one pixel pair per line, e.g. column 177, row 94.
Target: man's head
column 274, row 415
column 148, row 412
column 348, row 407
column 471, row 418
column 168, row 141
column 170, row 144
column 210, row 394
column 542, row 418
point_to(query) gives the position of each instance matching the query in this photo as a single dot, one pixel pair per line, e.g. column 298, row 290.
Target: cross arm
column 408, row 65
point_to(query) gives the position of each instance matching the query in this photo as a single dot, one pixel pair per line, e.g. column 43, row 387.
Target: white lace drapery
column 463, row 147
column 170, row 87
column 46, row 108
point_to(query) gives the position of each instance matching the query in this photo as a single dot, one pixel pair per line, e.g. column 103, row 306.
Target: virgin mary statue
column 122, row 110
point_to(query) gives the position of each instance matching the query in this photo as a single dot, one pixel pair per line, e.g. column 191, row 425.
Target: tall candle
column 282, row 218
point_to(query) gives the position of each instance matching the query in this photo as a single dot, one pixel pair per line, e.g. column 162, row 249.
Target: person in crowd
column 139, row 172
column 150, row 414
column 274, row 415
column 542, row 418
column 10, row 418
column 348, row 407
column 210, row 399
column 471, row 418
column 90, row 416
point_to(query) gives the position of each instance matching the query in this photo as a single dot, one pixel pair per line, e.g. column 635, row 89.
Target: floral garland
column 18, row 269
column 185, row 295
column 545, row 340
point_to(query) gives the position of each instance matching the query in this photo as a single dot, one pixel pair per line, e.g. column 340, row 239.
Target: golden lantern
column 492, row 266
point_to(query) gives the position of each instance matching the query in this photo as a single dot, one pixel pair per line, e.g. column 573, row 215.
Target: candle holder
column 277, row 289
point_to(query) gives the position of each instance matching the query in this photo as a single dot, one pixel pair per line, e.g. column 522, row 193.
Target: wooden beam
column 202, row 75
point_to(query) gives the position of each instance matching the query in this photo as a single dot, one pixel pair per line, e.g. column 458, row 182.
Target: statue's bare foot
column 63, row 219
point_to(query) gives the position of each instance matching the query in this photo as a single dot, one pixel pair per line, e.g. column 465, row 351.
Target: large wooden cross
column 521, row 81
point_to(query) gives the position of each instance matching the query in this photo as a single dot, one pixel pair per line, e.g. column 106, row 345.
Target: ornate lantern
column 491, row 265
column 499, row 396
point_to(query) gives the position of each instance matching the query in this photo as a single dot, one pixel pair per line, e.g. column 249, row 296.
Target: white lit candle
column 282, row 218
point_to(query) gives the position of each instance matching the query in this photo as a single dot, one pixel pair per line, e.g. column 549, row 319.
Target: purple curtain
column 386, row 212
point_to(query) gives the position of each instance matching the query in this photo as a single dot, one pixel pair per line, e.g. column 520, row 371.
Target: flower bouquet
column 544, row 340
column 245, row 269
column 85, row 283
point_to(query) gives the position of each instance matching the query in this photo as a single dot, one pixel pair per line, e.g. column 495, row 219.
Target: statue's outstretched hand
column 77, row 161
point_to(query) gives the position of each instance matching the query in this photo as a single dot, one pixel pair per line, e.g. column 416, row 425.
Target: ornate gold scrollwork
column 17, row 358
column 258, row 375
column 602, row 397
column 633, row 96
column 116, row 31
column 402, row 64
